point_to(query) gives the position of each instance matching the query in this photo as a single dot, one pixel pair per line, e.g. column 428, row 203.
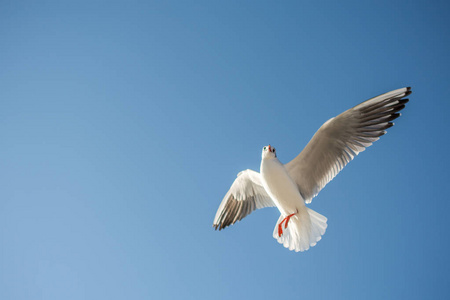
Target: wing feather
column 245, row 195
column 342, row 138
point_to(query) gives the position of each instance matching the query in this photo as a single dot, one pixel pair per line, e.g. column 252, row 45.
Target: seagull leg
column 280, row 226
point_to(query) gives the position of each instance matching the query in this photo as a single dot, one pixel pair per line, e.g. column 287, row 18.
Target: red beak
column 270, row 150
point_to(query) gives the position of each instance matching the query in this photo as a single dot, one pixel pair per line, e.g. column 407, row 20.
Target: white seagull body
column 290, row 186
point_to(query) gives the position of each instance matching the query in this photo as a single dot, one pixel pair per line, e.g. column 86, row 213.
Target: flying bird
column 290, row 186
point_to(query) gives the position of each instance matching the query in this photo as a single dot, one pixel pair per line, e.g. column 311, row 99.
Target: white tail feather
column 304, row 230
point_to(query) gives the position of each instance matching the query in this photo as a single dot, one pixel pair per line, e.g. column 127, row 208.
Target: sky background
column 124, row 123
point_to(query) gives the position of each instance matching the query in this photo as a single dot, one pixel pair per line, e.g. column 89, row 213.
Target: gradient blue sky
column 124, row 123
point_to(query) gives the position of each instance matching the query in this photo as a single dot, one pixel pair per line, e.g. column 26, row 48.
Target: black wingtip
column 399, row 108
column 218, row 227
column 394, row 116
column 408, row 91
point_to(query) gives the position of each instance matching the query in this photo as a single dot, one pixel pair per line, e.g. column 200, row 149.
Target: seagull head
column 268, row 152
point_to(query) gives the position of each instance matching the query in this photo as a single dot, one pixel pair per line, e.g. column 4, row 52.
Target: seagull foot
column 280, row 226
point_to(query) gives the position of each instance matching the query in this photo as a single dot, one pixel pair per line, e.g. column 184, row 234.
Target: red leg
column 280, row 227
column 287, row 220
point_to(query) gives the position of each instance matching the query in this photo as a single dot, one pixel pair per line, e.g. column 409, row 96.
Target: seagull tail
column 304, row 230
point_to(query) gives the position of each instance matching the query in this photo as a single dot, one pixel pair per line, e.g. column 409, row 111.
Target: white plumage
column 290, row 186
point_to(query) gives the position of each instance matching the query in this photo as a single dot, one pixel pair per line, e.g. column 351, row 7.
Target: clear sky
column 124, row 123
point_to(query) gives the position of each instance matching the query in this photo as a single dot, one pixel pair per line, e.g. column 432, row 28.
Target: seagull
column 290, row 186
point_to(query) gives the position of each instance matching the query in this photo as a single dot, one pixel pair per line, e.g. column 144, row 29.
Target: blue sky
column 124, row 123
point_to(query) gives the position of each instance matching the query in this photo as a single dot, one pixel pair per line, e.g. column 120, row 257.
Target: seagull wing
column 245, row 195
column 341, row 138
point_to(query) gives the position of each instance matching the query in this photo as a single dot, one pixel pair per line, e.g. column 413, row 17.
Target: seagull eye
column 264, row 148
column 273, row 149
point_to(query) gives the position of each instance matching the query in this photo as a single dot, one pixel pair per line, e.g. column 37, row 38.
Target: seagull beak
column 270, row 150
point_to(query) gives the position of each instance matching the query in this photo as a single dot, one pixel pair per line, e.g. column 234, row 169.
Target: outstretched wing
column 341, row 138
column 245, row 195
